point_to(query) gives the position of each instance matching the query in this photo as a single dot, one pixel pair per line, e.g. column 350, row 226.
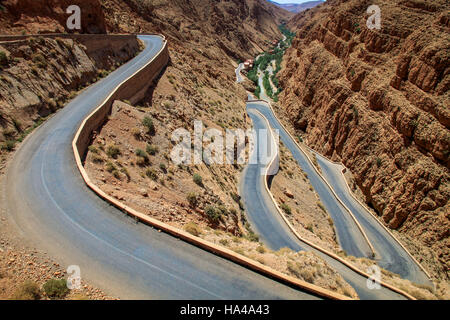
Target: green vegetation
column 39, row 60
column 113, row 151
column 136, row 133
column 142, row 159
column 198, row 180
column 126, row 173
column 253, row 74
column 152, row 174
column 193, row 229
column 34, row 70
column 223, row 210
column 321, row 206
column 27, row 291
column 102, row 73
column 288, row 34
column 276, row 54
column 3, row 59
column 93, row 149
column 286, row 208
column 148, row 124
column 97, row 159
column 192, row 198
column 56, row 289
column 110, row 167
column 261, row 249
column 116, row 174
column 257, row 92
column 267, row 85
column 152, row 149
column 26, row 132
column 17, row 124
column 212, row 213
column 236, row 239
column 9, row 145
column 355, row 113
column 235, row 197
column 141, row 153
column 252, row 236
column 241, row 205
column 9, row 133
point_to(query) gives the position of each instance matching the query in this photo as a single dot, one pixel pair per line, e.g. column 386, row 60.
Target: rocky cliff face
column 49, row 16
column 378, row 100
column 39, row 76
column 239, row 29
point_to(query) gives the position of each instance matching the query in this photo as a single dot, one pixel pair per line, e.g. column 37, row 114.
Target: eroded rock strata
column 378, row 100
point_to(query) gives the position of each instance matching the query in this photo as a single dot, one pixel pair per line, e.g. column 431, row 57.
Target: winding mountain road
column 274, row 232
column 51, row 206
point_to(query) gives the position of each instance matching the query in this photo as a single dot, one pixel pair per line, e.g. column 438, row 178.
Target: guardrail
column 329, row 253
column 81, row 142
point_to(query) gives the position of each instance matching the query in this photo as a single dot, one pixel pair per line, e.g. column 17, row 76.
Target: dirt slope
column 298, row 7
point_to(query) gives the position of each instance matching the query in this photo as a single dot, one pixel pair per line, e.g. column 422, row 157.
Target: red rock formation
column 379, row 101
